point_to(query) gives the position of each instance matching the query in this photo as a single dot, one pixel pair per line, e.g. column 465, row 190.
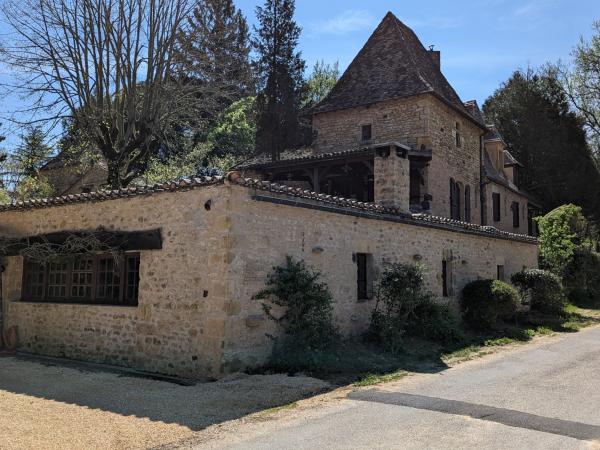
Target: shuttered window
column 454, row 200
column 468, row 204
column 516, row 214
column 496, row 206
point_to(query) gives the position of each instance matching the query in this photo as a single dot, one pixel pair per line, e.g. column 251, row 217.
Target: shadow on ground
column 195, row 407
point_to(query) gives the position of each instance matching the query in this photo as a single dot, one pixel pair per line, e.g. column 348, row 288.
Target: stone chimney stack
column 392, row 177
column 436, row 57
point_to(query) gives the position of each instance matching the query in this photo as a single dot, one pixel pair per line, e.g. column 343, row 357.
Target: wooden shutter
column 516, row 215
column 454, row 200
column 496, row 206
column 468, row 204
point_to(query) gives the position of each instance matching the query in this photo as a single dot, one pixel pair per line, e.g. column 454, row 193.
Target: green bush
column 434, row 322
column 562, row 231
column 485, row 302
column 543, row 289
column 306, row 302
column 582, row 278
column 404, row 307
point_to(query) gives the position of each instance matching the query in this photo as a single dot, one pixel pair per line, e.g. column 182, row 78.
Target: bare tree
column 109, row 66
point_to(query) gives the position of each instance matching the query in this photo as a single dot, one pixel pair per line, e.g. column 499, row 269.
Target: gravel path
column 55, row 407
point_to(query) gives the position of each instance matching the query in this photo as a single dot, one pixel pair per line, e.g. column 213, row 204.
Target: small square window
column 367, row 133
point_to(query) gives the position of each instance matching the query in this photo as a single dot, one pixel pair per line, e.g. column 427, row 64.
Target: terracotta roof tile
column 380, row 210
column 134, row 191
column 234, row 178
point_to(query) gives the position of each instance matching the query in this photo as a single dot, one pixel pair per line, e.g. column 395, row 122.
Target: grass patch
column 367, row 364
column 373, row 379
column 277, row 409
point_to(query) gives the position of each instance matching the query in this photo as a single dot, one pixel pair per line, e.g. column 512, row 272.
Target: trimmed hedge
column 485, row 302
column 543, row 289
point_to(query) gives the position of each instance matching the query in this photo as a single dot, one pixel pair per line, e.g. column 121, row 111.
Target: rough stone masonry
column 195, row 315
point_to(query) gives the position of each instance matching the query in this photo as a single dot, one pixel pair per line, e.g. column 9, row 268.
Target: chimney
column 436, row 57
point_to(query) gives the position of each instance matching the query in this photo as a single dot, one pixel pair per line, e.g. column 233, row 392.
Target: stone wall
column 196, row 315
column 328, row 241
column 414, row 121
column 507, row 197
column 179, row 324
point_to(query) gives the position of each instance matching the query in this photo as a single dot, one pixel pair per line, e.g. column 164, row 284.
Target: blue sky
column 482, row 41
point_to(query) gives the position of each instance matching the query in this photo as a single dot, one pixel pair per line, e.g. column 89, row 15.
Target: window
column 364, row 264
column 500, row 270
column 447, row 273
column 530, row 223
column 367, row 133
column 457, row 134
column 101, row 279
column 445, row 290
column 468, row 204
column 496, row 206
column 516, row 214
column 454, row 200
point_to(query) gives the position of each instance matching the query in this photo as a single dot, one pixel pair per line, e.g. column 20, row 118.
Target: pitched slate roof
column 392, row 64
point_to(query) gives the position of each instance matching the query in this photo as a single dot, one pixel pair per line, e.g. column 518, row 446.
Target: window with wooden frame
column 454, row 199
column 364, row 276
column 366, row 133
column 500, row 272
column 516, row 214
column 468, row 204
column 86, row 279
column 496, row 206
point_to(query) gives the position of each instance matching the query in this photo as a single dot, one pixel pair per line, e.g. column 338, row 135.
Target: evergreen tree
column 280, row 70
column 532, row 113
column 320, row 83
column 31, row 154
column 215, row 49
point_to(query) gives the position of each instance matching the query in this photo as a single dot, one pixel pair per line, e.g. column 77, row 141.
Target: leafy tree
column 235, row 131
column 109, row 66
column 280, row 69
column 214, row 52
column 33, row 187
column 562, row 231
column 195, row 163
column 533, row 114
column 320, row 83
column 583, row 84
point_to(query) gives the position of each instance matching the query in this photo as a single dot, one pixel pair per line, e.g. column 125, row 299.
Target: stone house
column 175, row 293
column 444, row 158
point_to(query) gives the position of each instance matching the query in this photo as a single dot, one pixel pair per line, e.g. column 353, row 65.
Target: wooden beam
column 121, row 240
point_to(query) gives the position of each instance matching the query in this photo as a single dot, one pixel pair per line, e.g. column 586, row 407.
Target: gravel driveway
column 56, row 407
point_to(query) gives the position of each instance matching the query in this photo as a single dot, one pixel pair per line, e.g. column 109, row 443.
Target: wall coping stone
column 334, row 204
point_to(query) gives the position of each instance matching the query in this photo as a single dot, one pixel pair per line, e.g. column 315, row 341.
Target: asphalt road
column 545, row 395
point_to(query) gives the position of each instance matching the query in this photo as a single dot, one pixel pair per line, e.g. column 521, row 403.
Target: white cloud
column 346, row 22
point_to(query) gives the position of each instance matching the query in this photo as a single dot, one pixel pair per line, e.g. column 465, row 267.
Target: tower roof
column 392, row 64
